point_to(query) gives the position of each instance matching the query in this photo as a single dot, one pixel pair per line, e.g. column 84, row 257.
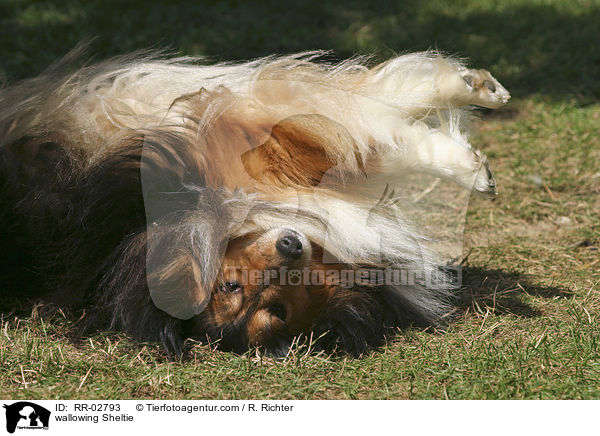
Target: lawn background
column 528, row 324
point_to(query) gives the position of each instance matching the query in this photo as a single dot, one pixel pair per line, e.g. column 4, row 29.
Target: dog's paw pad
column 485, row 90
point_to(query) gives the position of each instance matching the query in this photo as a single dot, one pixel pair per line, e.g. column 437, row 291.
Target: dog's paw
column 485, row 90
column 485, row 184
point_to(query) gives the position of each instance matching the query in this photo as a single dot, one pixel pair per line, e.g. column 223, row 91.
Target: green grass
column 528, row 324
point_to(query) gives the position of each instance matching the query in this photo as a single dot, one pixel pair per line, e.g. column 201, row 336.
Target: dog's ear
column 299, row 151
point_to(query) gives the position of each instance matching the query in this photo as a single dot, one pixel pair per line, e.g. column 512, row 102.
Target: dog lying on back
column 229, row 202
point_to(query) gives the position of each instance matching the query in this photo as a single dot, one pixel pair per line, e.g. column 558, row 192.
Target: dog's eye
column 230, row 287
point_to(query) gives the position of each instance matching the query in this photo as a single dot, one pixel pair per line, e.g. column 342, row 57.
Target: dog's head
column 254, row 292
column 260, row 294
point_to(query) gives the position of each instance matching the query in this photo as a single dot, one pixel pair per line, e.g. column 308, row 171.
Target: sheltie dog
column 233, row 202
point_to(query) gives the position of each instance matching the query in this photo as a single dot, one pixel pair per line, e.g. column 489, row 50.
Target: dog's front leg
column 416, row 83
column 447, row 155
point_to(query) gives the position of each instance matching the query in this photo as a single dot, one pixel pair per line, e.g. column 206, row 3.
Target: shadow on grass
column 532, row 47
column 503, row 291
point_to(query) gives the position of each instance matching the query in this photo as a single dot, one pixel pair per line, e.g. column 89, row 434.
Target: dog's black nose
column 290, row 246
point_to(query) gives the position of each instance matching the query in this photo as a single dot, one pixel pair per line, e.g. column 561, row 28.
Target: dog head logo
column 26, row 415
